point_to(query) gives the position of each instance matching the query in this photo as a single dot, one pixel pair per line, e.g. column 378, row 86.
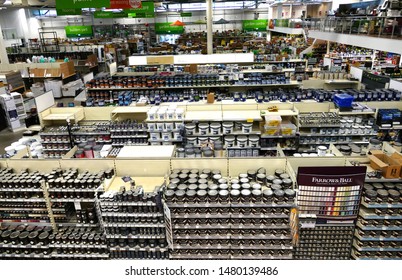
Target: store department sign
column 73, row 31
column 68, row 4
column 147, row 10
column 125, row 4
column 166, row 28
column 255, row 25
column 104, row 14
column 68, row 12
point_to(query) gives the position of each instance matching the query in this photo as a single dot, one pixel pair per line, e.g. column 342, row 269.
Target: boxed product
column 273, row 120
column 390, row 167
column 272, row 130
column 288, row 129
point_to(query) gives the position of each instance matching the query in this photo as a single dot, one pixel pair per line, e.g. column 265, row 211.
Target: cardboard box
column 398, row 158
column 211, row 97
column 390, row 167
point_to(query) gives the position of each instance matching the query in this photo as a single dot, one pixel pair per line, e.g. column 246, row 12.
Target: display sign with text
column 147, row 10
column 68, row 4
column 255, row 25
column 125, row 4
column 166, row 28
column 68, row 12
column 78, row 31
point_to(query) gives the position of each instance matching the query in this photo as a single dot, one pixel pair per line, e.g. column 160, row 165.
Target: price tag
column 250, row 120
column 32, row 75
column 48, row 75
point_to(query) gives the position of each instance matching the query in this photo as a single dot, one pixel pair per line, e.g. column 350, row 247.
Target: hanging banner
column 74, row 31
column 68, row 4
column 104, row 14
column 166, row 28
column 255, row 25
column 147, row 10
column 330, row 192
column 125, row 4
column 69, row 12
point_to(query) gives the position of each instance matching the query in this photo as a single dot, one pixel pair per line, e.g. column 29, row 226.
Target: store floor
column 7, row 137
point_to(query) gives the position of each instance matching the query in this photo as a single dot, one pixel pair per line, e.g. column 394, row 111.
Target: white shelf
column 203, row 116
column 249, row 115
column 279, row 113
column 132, row 152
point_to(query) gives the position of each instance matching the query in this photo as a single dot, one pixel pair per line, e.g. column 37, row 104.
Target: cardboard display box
column 390, row 167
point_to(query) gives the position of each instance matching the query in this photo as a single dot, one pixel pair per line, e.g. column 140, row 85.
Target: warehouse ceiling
column 52, row 3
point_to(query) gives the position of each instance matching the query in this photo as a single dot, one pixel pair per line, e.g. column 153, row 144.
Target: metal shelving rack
column 49, row 41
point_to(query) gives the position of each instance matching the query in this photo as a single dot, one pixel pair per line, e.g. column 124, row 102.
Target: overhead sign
column 166, row 28
column 255, row 25
column 69, row 12
column 125, row 4
column 186, row 14
column 147, row 10
column 74, row 31
column 104, row 14
column 68, row 4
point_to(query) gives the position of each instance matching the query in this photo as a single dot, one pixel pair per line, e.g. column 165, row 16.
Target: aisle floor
column 7, row 137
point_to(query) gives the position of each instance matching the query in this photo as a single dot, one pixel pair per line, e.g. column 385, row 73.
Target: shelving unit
column 379, row 229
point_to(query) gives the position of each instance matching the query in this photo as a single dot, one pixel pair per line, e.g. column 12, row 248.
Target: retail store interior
column 191, row 129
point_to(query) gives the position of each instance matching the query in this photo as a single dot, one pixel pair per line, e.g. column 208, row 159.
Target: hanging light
column 177, row 23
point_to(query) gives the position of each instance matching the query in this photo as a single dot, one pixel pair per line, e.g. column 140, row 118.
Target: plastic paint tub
column 10, row 150
column 160, row 126
column 254, row 141
column 247, row 127
column 170, row 114
column 190, row 129
column 203, row 128
column 228, row 127
column 169, row 126
column 166, row 136
column 151, row 115
column 192, row 140
column 215, row 128
column 214, row 139
column 321, row 151
column 229, row 141
column 242, row 141
column 154, row 136
column 179, row 114
column 162, row 114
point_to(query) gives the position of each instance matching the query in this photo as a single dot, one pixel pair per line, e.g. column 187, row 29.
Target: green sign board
column 73, row 31
column 281, row 23
column 104, row 14
column 255, row 25
column 146, row 11
column 69, row 4
column 68, row 12
column 186, row 14
column 166, row 28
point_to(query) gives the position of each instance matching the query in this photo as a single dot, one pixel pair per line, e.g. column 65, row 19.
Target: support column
column 328, row 46
column 210, row 47
column 269, row 33
column 290, row 11
column 279, row 11
column 3, row 52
